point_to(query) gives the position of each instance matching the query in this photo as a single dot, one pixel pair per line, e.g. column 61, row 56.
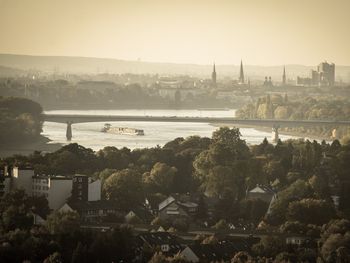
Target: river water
column 156, row 133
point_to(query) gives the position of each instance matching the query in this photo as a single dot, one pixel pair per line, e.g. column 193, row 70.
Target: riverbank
column 42, row 144
column 280, row 131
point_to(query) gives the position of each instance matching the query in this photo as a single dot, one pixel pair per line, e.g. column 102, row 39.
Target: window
column 165, row 248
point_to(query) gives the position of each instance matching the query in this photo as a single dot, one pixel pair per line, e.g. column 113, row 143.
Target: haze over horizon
column 271, row 32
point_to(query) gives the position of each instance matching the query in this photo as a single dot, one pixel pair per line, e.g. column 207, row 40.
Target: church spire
column 241, row 74
column 213, row 75
column 284, row 79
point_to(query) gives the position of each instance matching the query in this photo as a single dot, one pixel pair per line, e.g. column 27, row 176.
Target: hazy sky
column 261, row 32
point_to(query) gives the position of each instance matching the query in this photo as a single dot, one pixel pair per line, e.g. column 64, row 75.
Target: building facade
column 86, row 189
column 56, row 189
column 323, row 76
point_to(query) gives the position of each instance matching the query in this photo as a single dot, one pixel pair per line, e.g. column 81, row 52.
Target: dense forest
column 306, row 176
column 20, row 120
column 278, row 107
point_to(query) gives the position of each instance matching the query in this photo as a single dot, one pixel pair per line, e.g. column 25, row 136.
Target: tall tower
column 213, row 76
column 241, row 74
column 284, row 79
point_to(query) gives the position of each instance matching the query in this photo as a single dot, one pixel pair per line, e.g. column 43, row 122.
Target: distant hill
column 10, row 72
column 79, row 65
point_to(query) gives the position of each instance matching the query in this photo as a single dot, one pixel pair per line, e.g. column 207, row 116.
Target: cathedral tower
column 213, row 76
column 241, row 75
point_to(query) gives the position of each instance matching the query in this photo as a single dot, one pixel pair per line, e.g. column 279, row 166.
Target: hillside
column 90, row 65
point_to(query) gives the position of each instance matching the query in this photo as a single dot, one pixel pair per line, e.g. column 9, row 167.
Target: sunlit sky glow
column 261, row 32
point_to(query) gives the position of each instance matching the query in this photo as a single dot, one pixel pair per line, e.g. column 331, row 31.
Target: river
column 156, row 133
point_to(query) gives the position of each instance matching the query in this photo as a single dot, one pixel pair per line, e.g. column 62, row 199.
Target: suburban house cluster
column 82, row 194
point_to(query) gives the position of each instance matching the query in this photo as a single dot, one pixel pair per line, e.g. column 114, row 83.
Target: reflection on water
column 156, row 133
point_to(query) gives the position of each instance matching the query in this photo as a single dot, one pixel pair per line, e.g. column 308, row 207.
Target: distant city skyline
column 271, row 32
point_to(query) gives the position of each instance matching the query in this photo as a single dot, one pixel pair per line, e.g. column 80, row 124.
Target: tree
column 225, row 165
column 293, row 227
column 20, row 120
column 320, row 185
column 274, row 170
column 15, row 209
column 62, row 222
column 269, row 246
column 241, row 257
column 161, row 178
column 253, row 210
column 333, row 250
column 310, row 211
column 220, row 225
column 263, row 148
column 202, row 211
column 210, row 240
column 177, row 98
column 125, row 187
column 79, row 254
column 181, row 224
column 336, row 226
column 72, row 158
column 114, row 158
column 39, row 205
column 297, row 190
column 285, row 257
column 111, row 246
column 54, row 258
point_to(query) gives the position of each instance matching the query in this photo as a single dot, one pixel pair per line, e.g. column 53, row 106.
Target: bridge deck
column 225, row 120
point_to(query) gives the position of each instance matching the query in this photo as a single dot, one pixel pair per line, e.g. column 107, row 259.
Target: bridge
column 275, row 124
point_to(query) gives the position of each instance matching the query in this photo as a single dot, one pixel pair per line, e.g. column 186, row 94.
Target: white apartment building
column 56, row 189
column 94, row 190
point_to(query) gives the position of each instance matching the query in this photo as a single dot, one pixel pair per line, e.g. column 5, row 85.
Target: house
column 190, row 208
column 224, row 250
column 95, row 211
column 262, row 192
column 200, row 253
column 139, row 212
column 152, row 203
column 296, row 240
column 38, row 219
column 163, row 241
column 171, row 208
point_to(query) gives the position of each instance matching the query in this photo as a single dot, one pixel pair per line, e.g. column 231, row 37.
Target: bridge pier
column 69, row 134
column 334, row 135
column 275, row 135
